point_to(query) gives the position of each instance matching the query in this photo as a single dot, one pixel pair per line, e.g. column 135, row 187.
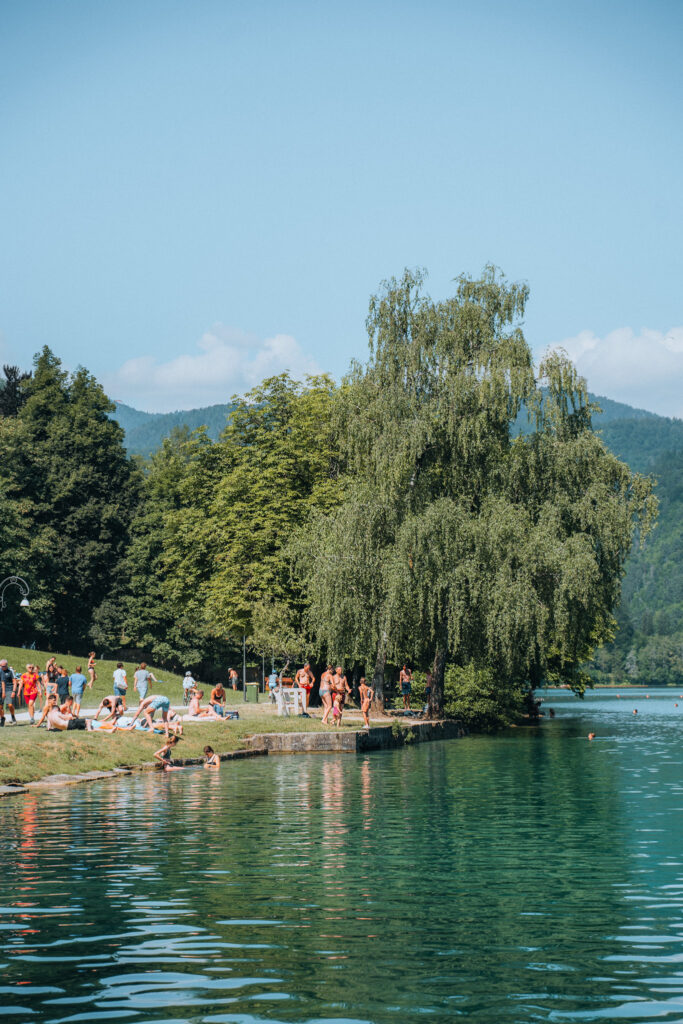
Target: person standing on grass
column 7, row 692
column 62, row 684
column 405, row 679
column 342, row 686
column 304, row 679
column 91, row 668
column 50, row 678
column 326, row 693
column 78, row 681
column 141, row 680
column 366, row 695
column 233, row 677
column 120, row 682
column 31, row 686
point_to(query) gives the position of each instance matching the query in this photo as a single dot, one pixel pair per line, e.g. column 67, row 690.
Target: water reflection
column 531, row 877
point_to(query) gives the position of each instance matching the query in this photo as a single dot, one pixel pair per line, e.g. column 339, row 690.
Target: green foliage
column 208, row 561
column 70, row 491
column 461, row 540
column 479, row 699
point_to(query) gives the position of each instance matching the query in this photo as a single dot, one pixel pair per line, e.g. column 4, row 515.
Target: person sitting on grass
column 164, row 755
column 147, row 708
column 217, row 699
column 66, row 706
column 212, row 758
column 195, row 709
column 58, row 722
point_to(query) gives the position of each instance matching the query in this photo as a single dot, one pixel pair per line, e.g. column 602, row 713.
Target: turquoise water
column 534, row 876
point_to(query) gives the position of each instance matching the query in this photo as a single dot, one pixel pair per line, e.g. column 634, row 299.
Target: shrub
column 481, row 702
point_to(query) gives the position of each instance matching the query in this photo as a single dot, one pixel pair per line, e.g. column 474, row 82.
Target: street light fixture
column 14, row 581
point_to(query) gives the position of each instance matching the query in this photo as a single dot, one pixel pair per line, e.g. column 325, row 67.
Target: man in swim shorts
column 405, row 679
column 304, row 679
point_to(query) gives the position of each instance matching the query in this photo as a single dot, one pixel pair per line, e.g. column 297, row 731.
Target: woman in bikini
column 326, row 692
column 91, row 668
column 366, row 695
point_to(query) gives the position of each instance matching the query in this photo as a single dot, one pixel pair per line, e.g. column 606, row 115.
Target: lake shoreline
column 349, row 741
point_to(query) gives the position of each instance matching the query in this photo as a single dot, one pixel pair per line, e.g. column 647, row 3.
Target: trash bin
column 251, row 693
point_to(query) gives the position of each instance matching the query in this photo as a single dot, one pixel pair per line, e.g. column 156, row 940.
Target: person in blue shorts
column 78, row 681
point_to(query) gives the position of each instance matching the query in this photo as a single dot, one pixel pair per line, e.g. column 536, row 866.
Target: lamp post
column 14, row 581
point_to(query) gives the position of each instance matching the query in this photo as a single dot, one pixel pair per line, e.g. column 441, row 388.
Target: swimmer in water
column 212, row 758
column 635, row 711
column 591, row 735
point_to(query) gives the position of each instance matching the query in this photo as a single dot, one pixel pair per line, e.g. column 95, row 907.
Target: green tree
column 498, row 551
column 226, row 549
column 64, row 468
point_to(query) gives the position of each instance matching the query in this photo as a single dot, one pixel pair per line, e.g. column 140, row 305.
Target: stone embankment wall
column 334, row 741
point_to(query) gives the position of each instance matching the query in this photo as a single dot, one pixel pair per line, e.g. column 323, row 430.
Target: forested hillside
column 145, row 431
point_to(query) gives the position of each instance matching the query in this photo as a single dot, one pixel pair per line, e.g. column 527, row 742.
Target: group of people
column 61, row 696
column 32, row 685
column 334, row 692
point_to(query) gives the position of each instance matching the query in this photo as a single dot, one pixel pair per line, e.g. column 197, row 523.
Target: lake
column 531, row 876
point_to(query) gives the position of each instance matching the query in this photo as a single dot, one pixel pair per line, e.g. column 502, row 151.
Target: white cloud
column 644, row 369
column 227, row 361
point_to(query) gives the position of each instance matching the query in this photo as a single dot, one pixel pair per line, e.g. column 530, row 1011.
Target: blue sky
column 193, row 195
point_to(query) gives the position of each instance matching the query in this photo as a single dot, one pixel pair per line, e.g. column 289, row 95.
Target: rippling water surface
column 534, row 876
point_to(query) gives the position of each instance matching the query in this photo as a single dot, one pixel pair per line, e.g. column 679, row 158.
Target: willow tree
column 490, row 551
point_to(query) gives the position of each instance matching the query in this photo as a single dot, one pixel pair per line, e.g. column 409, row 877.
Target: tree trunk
column 378, row 683
column 436, row 696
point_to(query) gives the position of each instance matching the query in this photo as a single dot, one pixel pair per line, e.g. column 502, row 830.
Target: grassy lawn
column 28, row 754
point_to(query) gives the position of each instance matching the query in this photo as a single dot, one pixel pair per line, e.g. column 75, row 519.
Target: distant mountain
column 639, row 431
column 146, row 430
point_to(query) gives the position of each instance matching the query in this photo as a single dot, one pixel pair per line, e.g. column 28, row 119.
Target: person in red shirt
column 30, row 682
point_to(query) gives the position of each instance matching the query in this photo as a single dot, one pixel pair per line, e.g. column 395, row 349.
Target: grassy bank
column 28, row 754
